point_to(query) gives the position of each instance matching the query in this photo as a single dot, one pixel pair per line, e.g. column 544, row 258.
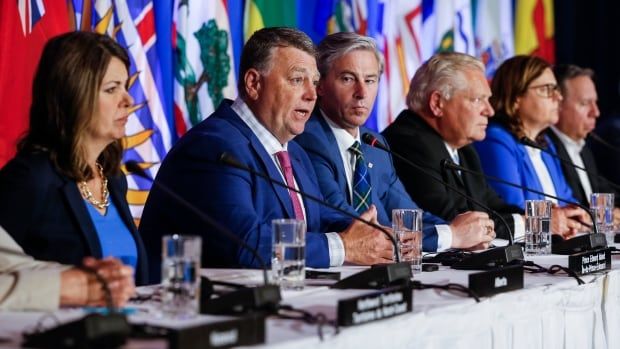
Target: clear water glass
column 180, row 276
column 538, row 227
column 407, row 228
column 288, row 258
column 602, row 207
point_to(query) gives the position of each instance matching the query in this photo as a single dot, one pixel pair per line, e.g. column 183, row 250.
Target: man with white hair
column 448, row 109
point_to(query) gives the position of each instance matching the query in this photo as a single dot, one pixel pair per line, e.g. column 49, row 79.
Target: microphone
column 530, row 143
column 602, row 141
column 91, row 331
column 573, row 245
column 489, row 258
column 376, row 277
column 263, row 297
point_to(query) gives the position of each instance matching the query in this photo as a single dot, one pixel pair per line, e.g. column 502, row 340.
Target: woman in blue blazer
column 62, row 197
column 526, row 100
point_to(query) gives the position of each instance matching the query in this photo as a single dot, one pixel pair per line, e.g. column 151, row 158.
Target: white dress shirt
column 542, row 172
column 574, row 153
column 273, row 146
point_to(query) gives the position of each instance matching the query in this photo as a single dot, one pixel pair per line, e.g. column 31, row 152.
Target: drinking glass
column 288, row 254
column 407, row 227
column 179, row 275
column 538, row 227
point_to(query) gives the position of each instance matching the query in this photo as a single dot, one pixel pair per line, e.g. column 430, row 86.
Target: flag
column 534, row 29
column 148, row 136
column 203, row 65
column 25, row 27
column 268, row 13
column 494, row 33
column 448, row 27
column 463, row 27
column 400, row 43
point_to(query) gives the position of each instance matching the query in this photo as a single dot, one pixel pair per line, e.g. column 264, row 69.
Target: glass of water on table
column 180, row 276
column 407, row 227
column 288, row 258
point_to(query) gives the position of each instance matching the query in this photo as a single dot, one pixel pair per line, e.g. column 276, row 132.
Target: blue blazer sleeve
column 500, row 157
column 243, row 203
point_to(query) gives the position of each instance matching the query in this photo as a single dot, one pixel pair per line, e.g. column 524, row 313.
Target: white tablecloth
column 551, row 312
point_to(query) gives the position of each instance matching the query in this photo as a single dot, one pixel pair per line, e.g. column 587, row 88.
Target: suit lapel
column 273, row 172
column 269, row 167
column 334, row 153
column 306, row 185
column 80, row 213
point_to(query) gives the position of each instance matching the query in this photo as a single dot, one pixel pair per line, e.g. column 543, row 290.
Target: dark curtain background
column 587, row 33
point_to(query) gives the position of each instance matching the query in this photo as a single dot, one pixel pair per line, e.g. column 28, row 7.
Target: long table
column 552, row 311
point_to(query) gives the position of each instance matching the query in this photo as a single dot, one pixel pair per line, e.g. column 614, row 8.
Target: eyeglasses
column 546, row 90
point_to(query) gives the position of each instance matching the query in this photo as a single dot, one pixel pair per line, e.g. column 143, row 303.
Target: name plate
column 247, row 330
column 498, row 280
column 379, row 305
column 588, row 262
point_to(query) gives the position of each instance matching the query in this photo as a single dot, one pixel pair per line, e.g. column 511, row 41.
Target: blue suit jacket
column 44, row 212
column 387, row 192
column 242, row 202
column 503, row 156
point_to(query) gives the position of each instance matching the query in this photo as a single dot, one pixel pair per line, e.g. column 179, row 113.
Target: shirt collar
column 266, row 138
column 567, row 141
column 344, row 139
column 454, row 153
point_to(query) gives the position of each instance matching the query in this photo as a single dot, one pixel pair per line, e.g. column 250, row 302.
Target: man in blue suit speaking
column 353, row 175
column 277, row 93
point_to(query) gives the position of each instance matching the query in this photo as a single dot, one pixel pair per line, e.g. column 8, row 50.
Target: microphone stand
column 569, row 246
column 483, row 260
column 378, row 276
column 602, row 141
column 229, row 160
column 245, row 299
column 91, row 331
column 530, row 143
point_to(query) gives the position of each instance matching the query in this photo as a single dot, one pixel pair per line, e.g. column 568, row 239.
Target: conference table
column 551, row 311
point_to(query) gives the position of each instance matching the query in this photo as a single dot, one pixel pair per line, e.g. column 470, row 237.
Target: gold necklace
column 88, row 195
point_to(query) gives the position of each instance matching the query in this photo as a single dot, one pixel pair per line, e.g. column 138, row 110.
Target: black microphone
column 558, row 246
column 91, row 331
column 602, row 141
column 264, row 297
column 376, row 277
column 489, row 258
column 374, row 142
column 530, row 143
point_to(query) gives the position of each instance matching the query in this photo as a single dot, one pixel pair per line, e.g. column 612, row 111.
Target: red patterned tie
column 285, row 163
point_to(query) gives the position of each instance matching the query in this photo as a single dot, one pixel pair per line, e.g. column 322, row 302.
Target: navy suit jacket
column 503, row 156
column 45, row 213
column 387, row 192
column 244, row 203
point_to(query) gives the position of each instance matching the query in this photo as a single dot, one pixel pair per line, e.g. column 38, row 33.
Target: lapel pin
column 370, row 165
